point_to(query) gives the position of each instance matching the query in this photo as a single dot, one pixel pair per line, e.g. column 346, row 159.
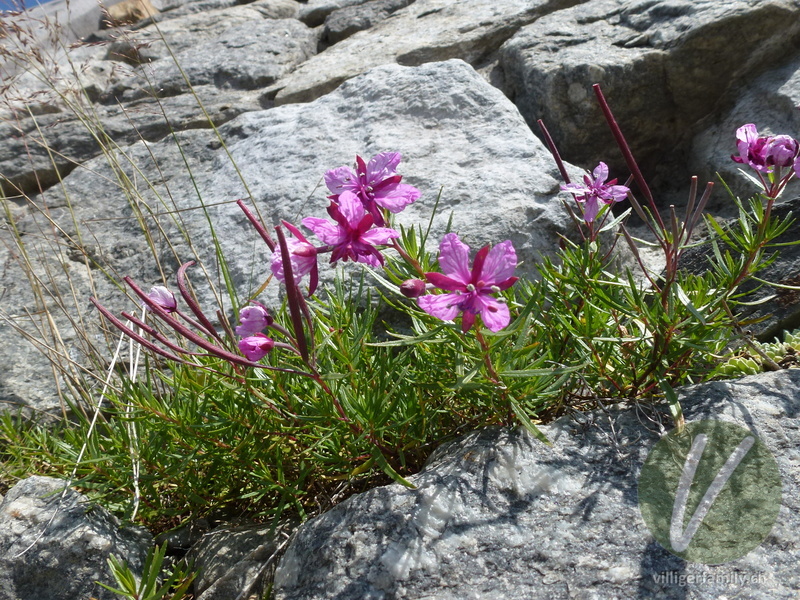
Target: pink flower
column 492, row 272
column 162, row 297
column 752, row 148
column 256, row 346
column 781, row 151
column 351, row 236
column 595, row 191
column 303, row 259
column 375, row 184
column 253, row 319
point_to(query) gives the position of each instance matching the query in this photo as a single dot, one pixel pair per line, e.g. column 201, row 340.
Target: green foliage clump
column 760, row 357
column 362, row 384
column 151, row 585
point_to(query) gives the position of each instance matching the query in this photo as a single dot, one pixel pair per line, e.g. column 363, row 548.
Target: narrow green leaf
column 387, row 468
column 684, row 299
column 674, row 404
column 541, row 372
column 528, row 424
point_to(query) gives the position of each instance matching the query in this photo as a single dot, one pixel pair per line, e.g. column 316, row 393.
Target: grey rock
column 238, row 561
column 181, row 539
column 27, row 384
column 314, row 12
column 344, row 22
column 662, row 66
column 53, row 82
column 166, row 6
column 55, row 548
column 191, row 8
column 228, row 60
column 26, row 164
column 269, row 9
column 278, row 9
column 425, row 31
column 41, row 150
column 182, row 33
column 65, row 263
column 448, row 123
column 497, row 514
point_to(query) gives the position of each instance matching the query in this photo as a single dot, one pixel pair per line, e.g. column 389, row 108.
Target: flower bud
column 412, row 288
column 256, row 346
column 304, row 250
column 253, row 319
column 162, row 297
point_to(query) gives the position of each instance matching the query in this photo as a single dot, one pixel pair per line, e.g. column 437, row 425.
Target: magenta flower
column 595, row 191
column 352, row 235
column 375, row 184
column 472, row 289
column 781, row 151
column 303, row 259
column 162, row 297
column 752, row 148
column 254, row 319
column 256, row 346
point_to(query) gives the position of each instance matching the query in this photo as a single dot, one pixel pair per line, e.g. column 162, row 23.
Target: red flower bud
column 412, row 288
column 256, row 346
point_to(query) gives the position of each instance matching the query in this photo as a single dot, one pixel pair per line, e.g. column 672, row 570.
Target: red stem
column 292, row 293
column 262, row 231
column 626, row 153
column 208, row 327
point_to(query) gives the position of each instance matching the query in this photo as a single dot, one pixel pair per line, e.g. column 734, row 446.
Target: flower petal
column 615, row 193
column 397, row 198
column 576, row 188
column 162, row 297
column 443, row 282
column 441, row 306
column 340, row 179
column 379, row 235
column 747, row 133
column 590, row 209
column 504, row 285
column 494, row 313
column 303, row 261
column 467, row 321
column 477, row 264
column 600, row 174
column 382, row 165
column 351, row 208
column 326, row 231
column 369, row 255
column 253, row 319
column 500, row 264
column 454, row 258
